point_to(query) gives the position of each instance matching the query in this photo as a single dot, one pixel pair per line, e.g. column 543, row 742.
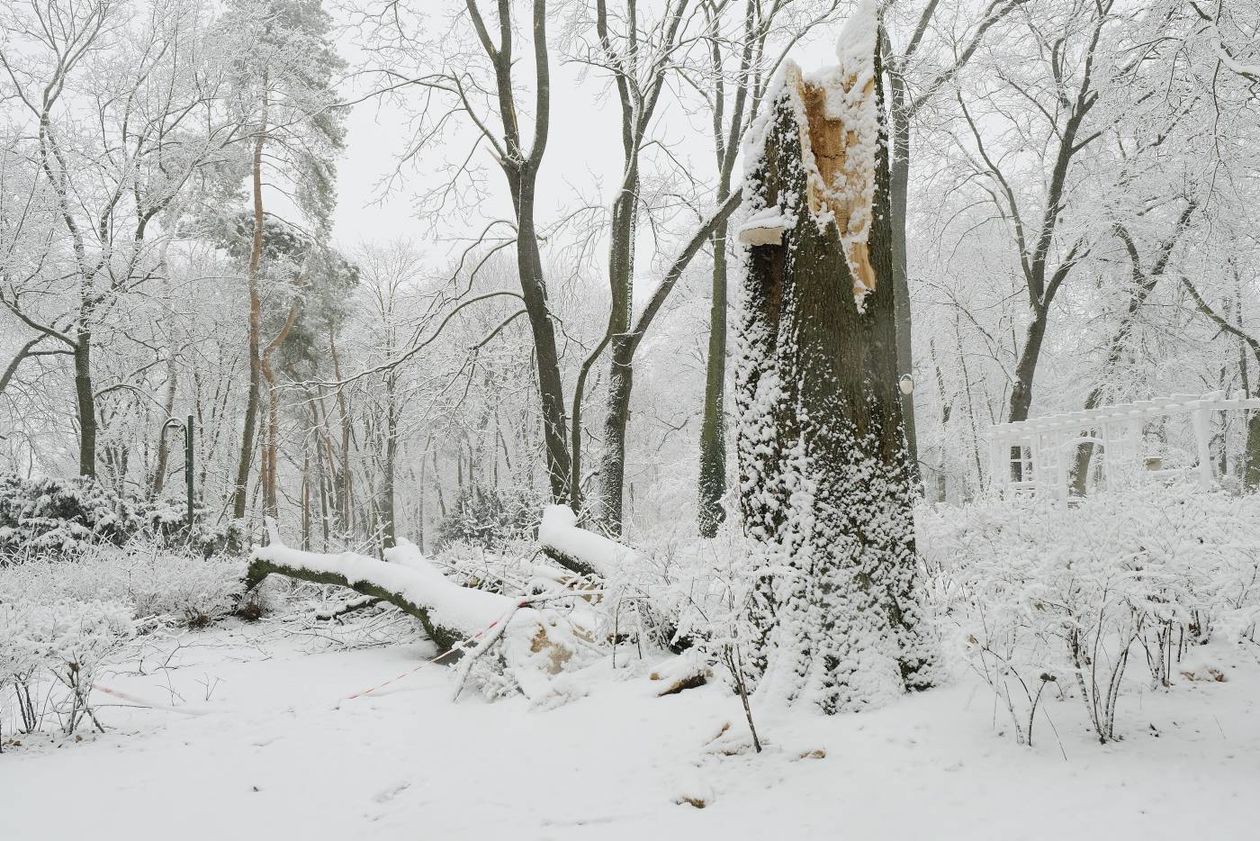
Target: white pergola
column 1037, row 456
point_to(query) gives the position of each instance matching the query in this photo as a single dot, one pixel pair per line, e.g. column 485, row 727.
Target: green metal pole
column 188, row 470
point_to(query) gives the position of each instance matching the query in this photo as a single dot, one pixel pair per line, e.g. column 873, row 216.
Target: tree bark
column 1026, row 368
column 612, row 471
column 306, row 493
column 712, row 485
column 345, row 483
column 621, row 366
column 391, row 461
column 164, row 447
column 898, row 192
column 248, row 434
column 820, row 407
column 85, row 401
column 272, row 444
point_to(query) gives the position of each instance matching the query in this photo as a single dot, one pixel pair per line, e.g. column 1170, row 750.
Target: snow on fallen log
column 408, row 554
column 532, row 643
column 577, row 549
column 448, row 612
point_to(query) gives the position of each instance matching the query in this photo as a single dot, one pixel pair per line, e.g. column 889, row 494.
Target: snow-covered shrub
column 491, row 518
column 73, row 639
column 714, row 590
column 39, row 516
column 43, row 517
column 68, row 640
column 1043, row 593
column 155, row 585
column 20, row 660
column 62, row 616
column 166, row 523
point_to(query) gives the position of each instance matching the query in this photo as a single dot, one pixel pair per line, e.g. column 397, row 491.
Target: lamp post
column 187, row 427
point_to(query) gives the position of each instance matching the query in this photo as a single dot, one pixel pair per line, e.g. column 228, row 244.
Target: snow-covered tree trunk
column 824, row 467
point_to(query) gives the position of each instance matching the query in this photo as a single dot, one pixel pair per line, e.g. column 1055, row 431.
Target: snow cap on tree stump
column 839, row 133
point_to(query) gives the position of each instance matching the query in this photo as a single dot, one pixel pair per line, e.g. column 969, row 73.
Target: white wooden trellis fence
column 1037, row 456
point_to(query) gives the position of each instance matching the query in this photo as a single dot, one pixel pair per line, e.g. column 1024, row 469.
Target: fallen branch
column 443, row 636
column 349, row 607
column 491, row 637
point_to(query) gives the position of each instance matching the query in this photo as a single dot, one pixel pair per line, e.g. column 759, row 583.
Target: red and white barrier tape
column 154, row 705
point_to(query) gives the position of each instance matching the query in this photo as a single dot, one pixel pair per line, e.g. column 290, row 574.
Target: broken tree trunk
column 825, row 474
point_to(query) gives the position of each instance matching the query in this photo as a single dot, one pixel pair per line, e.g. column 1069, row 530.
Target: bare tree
column 1069, row 47
column 107, row 190
column 906, row 100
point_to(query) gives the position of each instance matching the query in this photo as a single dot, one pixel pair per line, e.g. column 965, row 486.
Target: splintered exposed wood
column 841, row 182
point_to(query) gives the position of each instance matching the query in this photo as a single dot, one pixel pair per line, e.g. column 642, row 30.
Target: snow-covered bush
column 155, row 585
column 713, row 598
column 1041, row 593
column 73, row 639
column 66, row 640
column 490, row 518
column 39, row 516
column 19, row 660
column 166, row 523
column 44, row 517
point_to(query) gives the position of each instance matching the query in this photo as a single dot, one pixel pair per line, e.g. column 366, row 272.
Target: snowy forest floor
column 270, row 752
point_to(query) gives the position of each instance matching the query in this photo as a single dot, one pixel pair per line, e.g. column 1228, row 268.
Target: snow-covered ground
column 274, row 750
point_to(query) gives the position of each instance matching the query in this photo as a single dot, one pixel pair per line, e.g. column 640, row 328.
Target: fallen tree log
column 449, row 613
column 533, row 643
column 593, row 555
column 577, row 549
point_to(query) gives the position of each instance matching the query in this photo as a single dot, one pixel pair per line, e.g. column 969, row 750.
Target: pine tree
column 283, row 68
